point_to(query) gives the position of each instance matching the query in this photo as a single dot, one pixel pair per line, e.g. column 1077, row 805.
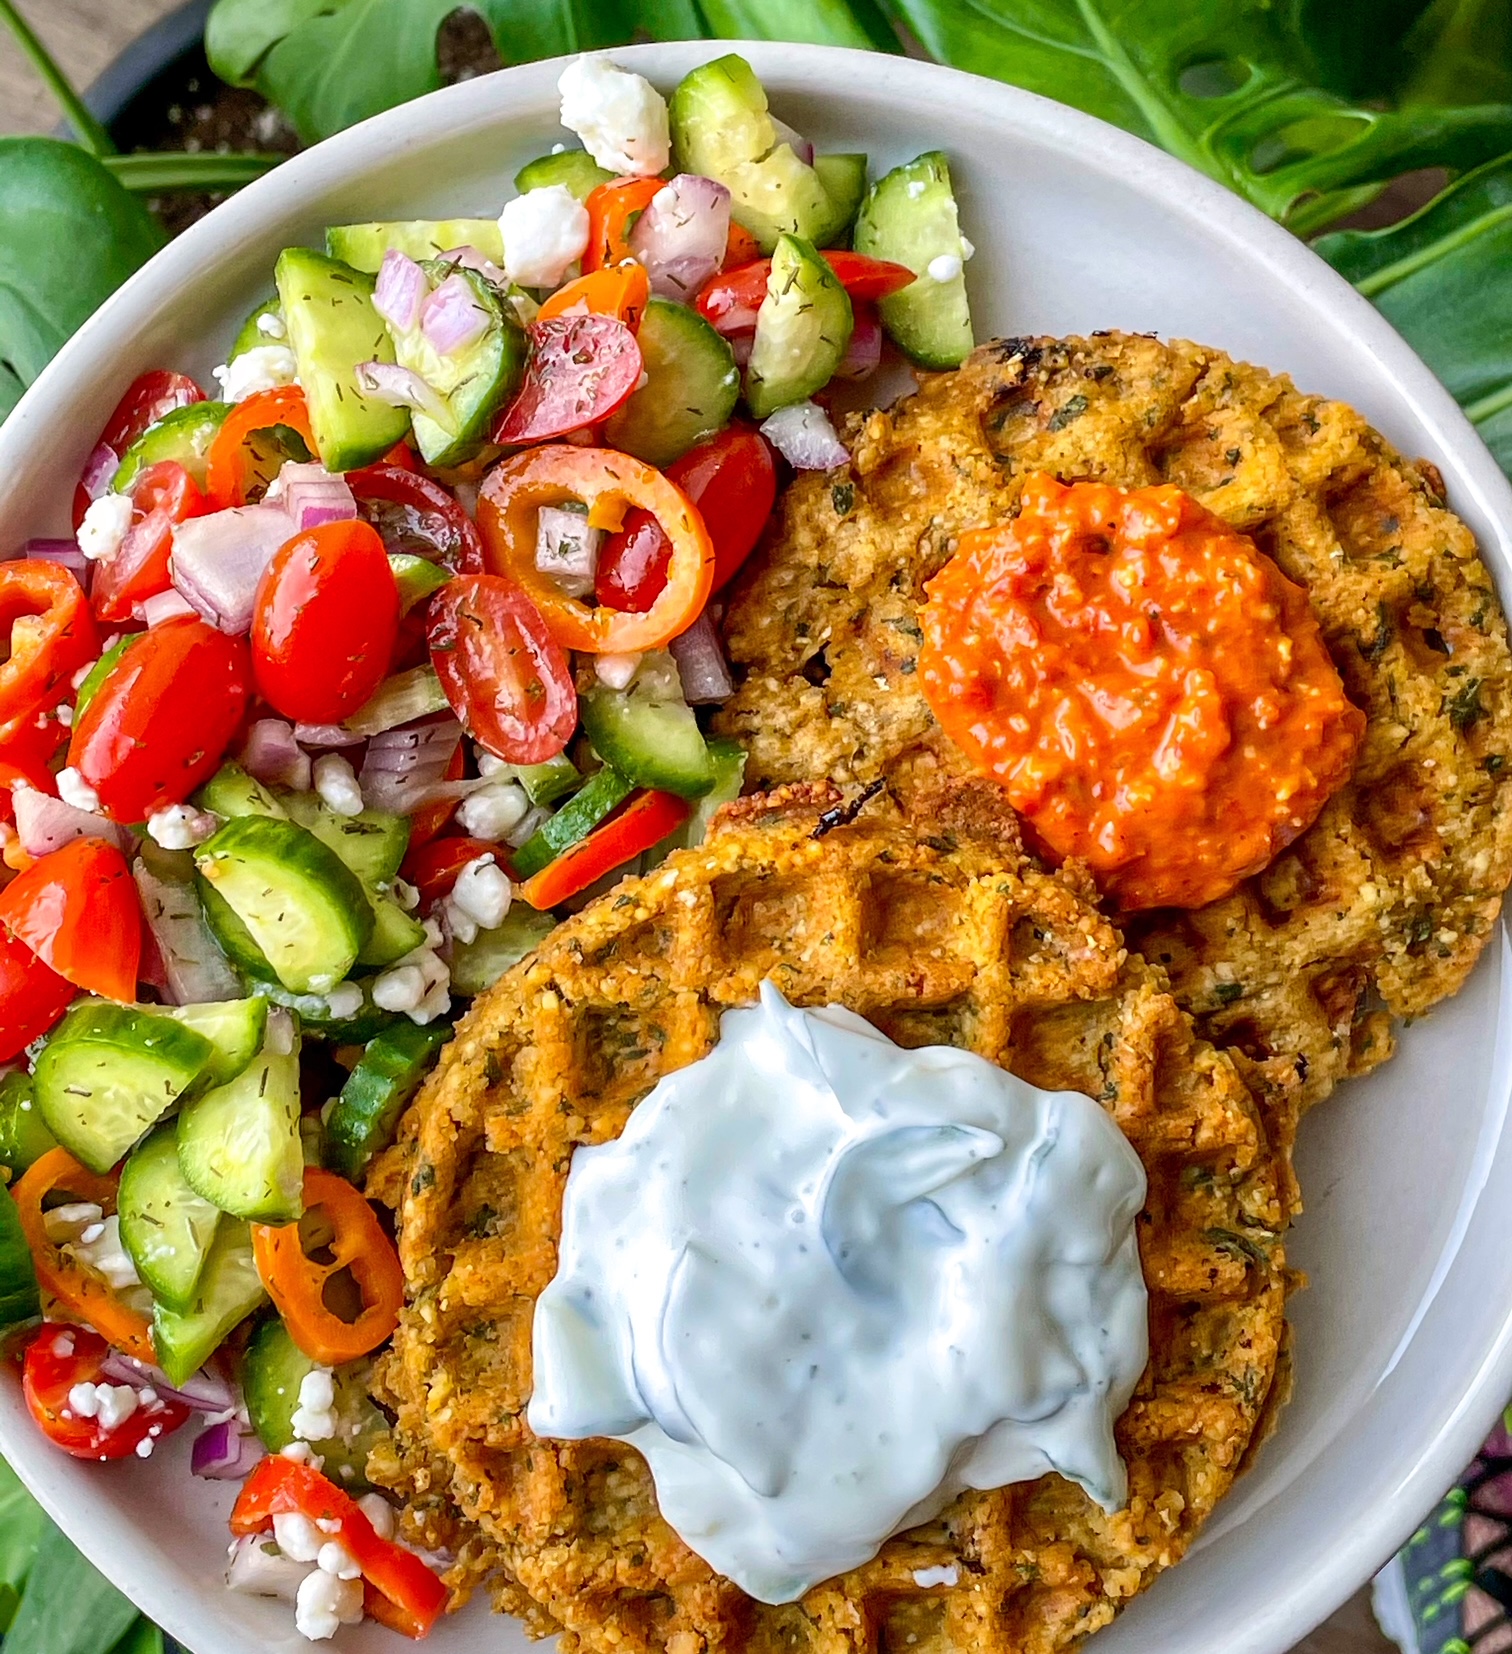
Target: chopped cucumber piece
column 239, row 1145
column 166, row 1228
column 416, row 578
column 252, row 336
column 405, row 696
column 363, row 245
column 101, row 670
column 108, row 1072
column 272, row 1371
column 184, row 436
column 233, row 938
column 315, row 1018
column 691, row 386
column 24, row 1137
column 372, row 844
column 648, row 732
column 301, row 906
column 229, row 1290
column 575, row 168
column 362, row 1120
column 844, row 180
column 721, row 128
column 235, row 1029
column 729, row 761
column 328, row 310
column 19, row 1297
column 802, row 329
column 232, row 792
column 602, row 792
column 395, row 933
column 910, row 217
column 478, row 964
column 546, row 783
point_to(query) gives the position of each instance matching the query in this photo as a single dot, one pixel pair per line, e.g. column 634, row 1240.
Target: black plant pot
column 154, row 69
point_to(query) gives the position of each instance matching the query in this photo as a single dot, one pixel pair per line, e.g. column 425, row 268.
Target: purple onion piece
column 451, row 318
column 225, row 1452
column 219, row 559
column 195, row 969
column 272, row 755
column 310, row 495
column 324, row 736
column 701, row 664
column 404, row 764
column 163, row 606
column 681, row 236
column 402, row 388
column 203, row 1392
column 66, row 553
column 400, row 291
column 803, row 435
column 44, row 823
column 863, row 355
column 99, row 470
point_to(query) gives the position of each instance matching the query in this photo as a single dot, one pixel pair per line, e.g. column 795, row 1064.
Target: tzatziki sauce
column 823, row 1284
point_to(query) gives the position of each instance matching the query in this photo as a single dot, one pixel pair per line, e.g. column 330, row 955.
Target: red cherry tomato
column 26, row 754
column 59, row 1358
column 504, row 674
column 164, row 494
column 433, row 868
column 581, row 369
column 147, row 400
column 732, row 480
column 161, row 720
column 413, row 514
column 325, row 623
column 77, row 909
column 730, row 300
column 32, row 996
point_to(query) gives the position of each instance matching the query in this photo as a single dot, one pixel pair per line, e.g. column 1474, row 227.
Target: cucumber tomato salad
column 352, row 677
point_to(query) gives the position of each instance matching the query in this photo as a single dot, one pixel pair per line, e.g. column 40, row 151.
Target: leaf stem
column 1390, row 274
column 1488, row 405
column 91, row 134
column 162, row 173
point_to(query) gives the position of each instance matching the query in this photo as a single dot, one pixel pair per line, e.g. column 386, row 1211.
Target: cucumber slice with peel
column 844, row 180
column 691, row 386
column 183, row 436
column 166, row 1228
column 235, row 1029
column 371, row 844
column 229, row 1291
column 19, row 1297
column 603, row 792
column 363, row 245
column 648, row 732
column 362, row 1120
column 232, row 792
column 24, row 1136
column 416, row 577
column 802, row 329
column 576, row 169
column 478, row 964
column 252, row 337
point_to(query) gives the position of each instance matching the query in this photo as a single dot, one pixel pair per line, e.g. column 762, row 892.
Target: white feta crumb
column 106, row 523
column 335, row 1559
column 490, row 812
column 82, row 1402
column 944, row 267
column 407, row 896
column 263, row 368
column 545, row 232
column 74, row 789
column 110, row 1404
column 344, row 1000
column 419, row 984
column 260, row 1569
column 379, row 1512
column 620, row 116
column 324, row 1604
column 64, row 715
column 616, row 671
column 490, row 763
column 400, row 988
column 99, row 1249
column 479, row 899
column 336, row 782
column 144, row 1447
column 271, row 325
column 68, row 1223
column 180, row 826
column 314, row 1419
column 297, row 1536
column 302, row 1453
column 925, row 1577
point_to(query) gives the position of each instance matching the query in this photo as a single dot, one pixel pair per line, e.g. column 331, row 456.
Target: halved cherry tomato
column 504, row 674
column 283, row 1487
column 645, row 821
column 52, row 634
column 85, row 1296
column 159, row 723
column 148, row 399
column 730, row 300
column 612, row 211
column 77, row 909
column 619, row 290
column 163, row 495
column 258, row 435
column 32, row 996
column 60, row 1357
column 430, row 819
column 324, row 622
column 433, row 868
column 741, row 247
column 297, row 1282
column 732, row 480
column 581, row 369
column 609, row 483
column 413, row 514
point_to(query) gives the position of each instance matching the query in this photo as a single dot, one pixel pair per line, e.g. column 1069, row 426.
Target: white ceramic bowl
column 1404, row 1340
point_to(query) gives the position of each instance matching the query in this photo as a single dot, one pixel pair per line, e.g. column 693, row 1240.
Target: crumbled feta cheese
column 271, row 325
column 621, row 117
column 110, row 1404
column 336, row 782
column 418, row 984
column 180, row 826
column 314, row 1419
column 337, row 1560
column 490, row 812
column 68, row 1223
column 545, row 233
column 399, row 988
column 925, row 1577
column 302, row 1453
column 490, row 763
column 99, row 1249
column 144, row 1447
column 297, row 1536
column 967, row 249
column 64, row 715
column 324, row 1604
column 344, row 1000
column 616, row 671
column 407, row 896
column 379, row 1512
column 479, row 899
column 106, row 523
column 944, row 267
column 74, row 789
column 263, row 368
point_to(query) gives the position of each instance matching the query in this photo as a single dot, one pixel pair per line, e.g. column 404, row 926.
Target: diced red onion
column 451, row 318
column 800, row 145
column 701, row 664
column 400, row 291
column 260, row 1569
column 99, row 470
column 470, row 258
column 681, row 236
column 567, row 549
column 322, row 736
column 272, row 755
column 403, row 766
column 225, row 1452
column 402, row 388
column 863, row 355
column 309, row 495
column 163, row 606
column 741, row 345
column 803, row 435
column 61, row 551
column 202, row 1392
column 197, row 971
column 45, row 823
column 218, row 559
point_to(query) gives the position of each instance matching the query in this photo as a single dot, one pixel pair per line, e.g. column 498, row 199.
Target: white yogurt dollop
column 823, row 1284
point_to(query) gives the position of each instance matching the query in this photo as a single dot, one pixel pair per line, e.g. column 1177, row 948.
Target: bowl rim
column 1447, row 1443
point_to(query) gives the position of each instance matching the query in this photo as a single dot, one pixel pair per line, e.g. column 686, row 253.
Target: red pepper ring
column 296, row 1282
column 52, row 634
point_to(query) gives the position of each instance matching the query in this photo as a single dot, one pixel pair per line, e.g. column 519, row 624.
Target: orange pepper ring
column 296, row 1282
column 224, row 469
column 78, row 1291
column 608, row 482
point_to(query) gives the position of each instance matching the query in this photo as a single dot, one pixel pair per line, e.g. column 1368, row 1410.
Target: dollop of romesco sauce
column 1150, row 689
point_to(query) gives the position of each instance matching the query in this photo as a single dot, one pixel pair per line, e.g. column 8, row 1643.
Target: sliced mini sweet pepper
column 612, row 211
column 645, row 821
column 258, row 435
column 619, row 290
column 52, row 634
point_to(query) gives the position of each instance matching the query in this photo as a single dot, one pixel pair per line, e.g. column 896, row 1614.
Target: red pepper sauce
column 1149, row 688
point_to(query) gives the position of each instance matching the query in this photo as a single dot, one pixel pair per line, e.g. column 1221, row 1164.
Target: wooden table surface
column 84, row 35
